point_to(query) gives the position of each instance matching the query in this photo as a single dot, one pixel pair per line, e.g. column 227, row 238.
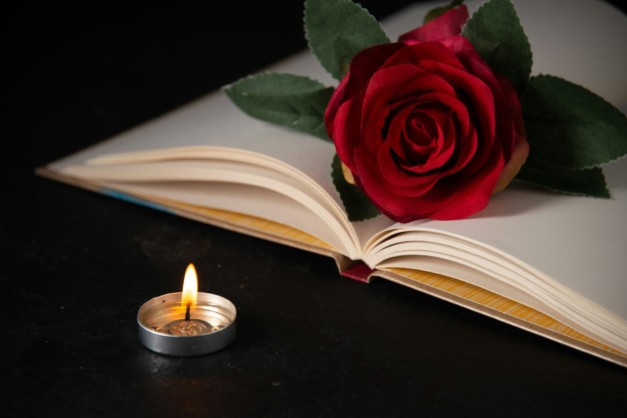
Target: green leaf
column 587, row 182
column 358, row 206
column 497, row 35
column 337, row 30
column 569, row 126
column 439, row 11
column 285, row 99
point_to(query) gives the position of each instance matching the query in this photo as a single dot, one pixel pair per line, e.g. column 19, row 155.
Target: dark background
column 76, row 266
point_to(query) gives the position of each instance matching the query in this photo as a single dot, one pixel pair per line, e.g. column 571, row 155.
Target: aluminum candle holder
column 167, row 327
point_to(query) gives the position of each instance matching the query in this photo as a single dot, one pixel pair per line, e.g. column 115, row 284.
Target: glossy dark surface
column 75, row 266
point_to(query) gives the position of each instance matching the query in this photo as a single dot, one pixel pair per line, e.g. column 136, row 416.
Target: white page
column 578, row 241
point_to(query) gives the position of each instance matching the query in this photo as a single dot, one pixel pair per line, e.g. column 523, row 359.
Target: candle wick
column 187, row 315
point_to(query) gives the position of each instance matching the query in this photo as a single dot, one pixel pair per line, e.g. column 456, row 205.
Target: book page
column 565, row 253
column 577, row 241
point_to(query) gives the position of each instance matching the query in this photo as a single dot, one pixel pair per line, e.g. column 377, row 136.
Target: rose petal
column 447, row 24
column 473, row 197
column 475, row 89
column 390, row 204
column 365, row 64
column 428, row 155
column 399, row 181
column 345, row 138
column 431, row 51
column 394, row 88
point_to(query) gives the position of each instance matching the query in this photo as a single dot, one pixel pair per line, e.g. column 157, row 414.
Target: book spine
column 358, row 271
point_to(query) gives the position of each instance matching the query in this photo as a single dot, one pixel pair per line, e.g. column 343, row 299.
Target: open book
column 553, row 264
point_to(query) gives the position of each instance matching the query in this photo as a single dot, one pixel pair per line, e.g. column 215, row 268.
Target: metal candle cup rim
column 190, row 345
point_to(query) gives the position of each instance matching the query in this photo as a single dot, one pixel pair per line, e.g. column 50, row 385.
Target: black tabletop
column 75, row 266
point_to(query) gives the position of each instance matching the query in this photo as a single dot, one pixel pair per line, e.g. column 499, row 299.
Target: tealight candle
column 187, row 323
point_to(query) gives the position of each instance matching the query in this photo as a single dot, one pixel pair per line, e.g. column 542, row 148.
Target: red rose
column 425, row 126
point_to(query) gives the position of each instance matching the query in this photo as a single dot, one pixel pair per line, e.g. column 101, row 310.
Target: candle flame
column 190, row 287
